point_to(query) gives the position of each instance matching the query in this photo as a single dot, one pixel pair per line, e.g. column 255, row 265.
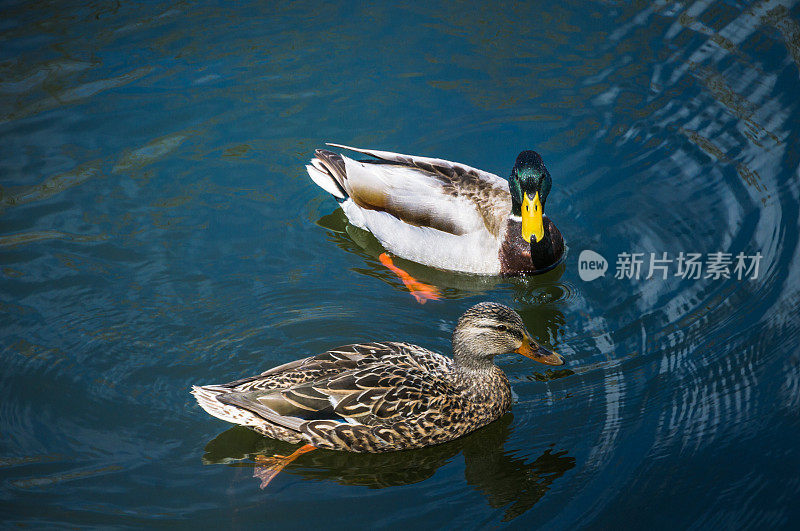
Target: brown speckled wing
column 371, row 382
column 416, row 413
column 330, row 362
column 370, row 397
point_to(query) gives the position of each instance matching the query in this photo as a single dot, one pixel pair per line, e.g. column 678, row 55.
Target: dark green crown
column 529, row 176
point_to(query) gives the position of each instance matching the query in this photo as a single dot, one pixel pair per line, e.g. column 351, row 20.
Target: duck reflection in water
column 508, row 480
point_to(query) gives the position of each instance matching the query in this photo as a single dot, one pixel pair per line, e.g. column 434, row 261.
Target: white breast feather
column 475, row 252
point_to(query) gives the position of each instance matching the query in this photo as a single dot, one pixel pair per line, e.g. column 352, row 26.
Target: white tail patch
column 324, row 180
column 207, row 398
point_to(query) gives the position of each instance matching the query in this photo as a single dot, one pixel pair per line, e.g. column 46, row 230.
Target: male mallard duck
column 445, row 214
column 380, row 397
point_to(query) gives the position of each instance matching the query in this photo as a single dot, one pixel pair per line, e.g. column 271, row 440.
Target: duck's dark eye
column 502, row 328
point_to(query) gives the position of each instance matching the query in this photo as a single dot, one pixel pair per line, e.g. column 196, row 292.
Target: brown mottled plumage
column 443, row 214
column 380, row 397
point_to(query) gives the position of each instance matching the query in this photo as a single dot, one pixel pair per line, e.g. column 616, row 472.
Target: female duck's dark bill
column 531, row 349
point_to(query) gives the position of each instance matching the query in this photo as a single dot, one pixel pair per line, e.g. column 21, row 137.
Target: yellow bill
column 532, row 224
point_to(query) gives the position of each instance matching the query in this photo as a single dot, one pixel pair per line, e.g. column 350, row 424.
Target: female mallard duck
column 380, row 397
column 445, row 214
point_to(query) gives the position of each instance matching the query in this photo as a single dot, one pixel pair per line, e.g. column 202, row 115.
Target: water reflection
column 506, row 479
column 154, row 231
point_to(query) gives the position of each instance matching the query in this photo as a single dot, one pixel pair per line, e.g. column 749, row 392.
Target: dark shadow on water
column 506, row 479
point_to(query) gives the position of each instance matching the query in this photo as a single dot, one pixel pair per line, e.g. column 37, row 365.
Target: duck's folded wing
column 373, row 382
column 433, row 165
column 375, row 395
column 331, row 362
column 426, row 192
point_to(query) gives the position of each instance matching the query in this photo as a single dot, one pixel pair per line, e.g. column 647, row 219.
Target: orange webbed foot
column 419, row 290
column 269, row 467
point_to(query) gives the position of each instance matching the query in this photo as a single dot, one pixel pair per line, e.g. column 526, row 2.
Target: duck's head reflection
column 508, row 480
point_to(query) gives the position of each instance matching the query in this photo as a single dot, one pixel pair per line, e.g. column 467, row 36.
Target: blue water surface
column 158, row 230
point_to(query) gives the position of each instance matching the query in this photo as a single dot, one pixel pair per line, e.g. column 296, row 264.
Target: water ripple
column 158, row 231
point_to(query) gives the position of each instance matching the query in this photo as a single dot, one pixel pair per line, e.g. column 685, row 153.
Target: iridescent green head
column 530, row 183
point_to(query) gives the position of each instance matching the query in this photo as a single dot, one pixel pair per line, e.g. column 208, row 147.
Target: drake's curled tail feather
column 328, row 172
